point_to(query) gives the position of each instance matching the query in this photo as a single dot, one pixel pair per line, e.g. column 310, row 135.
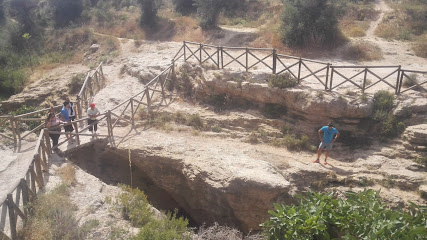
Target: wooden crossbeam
column 314, row 73
column 192, row 53
column 287, row 68
column 347, row 79
column 260, row 60
column 234, row 59
column 381, row 79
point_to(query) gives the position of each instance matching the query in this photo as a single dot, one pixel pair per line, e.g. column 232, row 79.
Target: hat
column 330, row 124
column 92, row 105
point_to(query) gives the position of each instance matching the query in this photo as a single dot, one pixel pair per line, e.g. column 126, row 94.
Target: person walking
column 52, row 123
column 330, row 135
column 71, row 110
column 92, row 113
column 66, row 118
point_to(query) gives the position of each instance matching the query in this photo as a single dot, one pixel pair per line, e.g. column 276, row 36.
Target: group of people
column 67, row 116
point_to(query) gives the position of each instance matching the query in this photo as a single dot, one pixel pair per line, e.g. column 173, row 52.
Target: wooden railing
column 331, row 77
column 14, row 207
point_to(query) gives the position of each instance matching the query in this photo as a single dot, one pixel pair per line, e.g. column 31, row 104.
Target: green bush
column 359, row 216
column 76, row 83
column 208, row 11
column 184, row 7
column 135, row 206
column 195, row 121
column 285, row 80
column 149, row 10
column 66, row 11
column 171, row 227
column 389, row 124
column 138, row 210
column 307, row 22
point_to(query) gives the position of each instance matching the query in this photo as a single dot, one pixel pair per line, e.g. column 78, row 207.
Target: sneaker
column 316, row 161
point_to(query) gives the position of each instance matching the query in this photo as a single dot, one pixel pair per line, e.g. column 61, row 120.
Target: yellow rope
column 130, row 167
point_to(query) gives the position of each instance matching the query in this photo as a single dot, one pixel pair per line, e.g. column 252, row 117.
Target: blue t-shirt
column 66, row 114
column 328, row 134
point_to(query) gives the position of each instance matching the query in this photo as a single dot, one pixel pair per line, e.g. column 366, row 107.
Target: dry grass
column 420, row 46
column 67, row 174
column 362, row 51
column 187, row 28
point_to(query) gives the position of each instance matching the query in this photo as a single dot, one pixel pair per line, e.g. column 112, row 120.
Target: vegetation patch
column 359, row 216
column 136, row 208
column 420, row 46
column 285, row 80
column 390, row 126
column 362, row 51
column 52, row 218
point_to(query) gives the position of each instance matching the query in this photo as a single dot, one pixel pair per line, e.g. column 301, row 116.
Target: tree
column 66, row 11
column 307, row 22
column 149, row 12
column 209, row 11
column 1, row 11
column 184, row 7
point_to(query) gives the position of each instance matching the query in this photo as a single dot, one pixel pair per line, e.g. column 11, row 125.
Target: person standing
column 52, row 123
column 66, row 118
column 92, row 113
column 71, row 110
column 330, row 135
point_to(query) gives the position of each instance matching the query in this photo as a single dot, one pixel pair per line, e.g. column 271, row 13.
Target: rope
column 130, row 166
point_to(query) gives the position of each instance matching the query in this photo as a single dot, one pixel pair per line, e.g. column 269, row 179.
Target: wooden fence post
column 185, row 53
column 402, row 73
column 332, row 77
column 77, row 132
column 274, row 60
column 47, row 141
column 200, row 53
column 12, row 217
column 247, row 59
column 25, row 197
column 364, row 80
column 299, row 70
column 39, row 170
column 397, row 81
column 110, row 131
column 222, row 57
column 132, row 113
column 18, row 133
column 79, row 110
column 217, row 56
column 327, row 75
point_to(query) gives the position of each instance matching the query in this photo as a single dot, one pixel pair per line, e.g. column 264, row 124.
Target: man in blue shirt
column 330, row 134
column 65, row 116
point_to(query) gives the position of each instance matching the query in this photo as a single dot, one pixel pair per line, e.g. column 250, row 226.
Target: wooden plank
column 287, row 68
column 414, row 71
column 335, row 66
column 33, row 178
column 25, row 197
column 12, row 219
column 3, row 215
column 84, row 85
column 37, row 161
column 234, row 59
column 47, row 141
column 17, row 211
column 38, row 111
column 123, row 119
column 260, row 61
column 314, row 73
column 5, row 136
column 347, row 79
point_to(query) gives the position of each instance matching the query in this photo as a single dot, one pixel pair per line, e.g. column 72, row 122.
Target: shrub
column 285, row 80
column 76, row 83
column 148, row 12
column 135, row 206
column 171, row 227
column 217, row 232
column 274, row 111
column 67, row 11
column 53, row 218
column 363, row 51
column 184, row 7
column 195, row 121
column 307, row 22
column 389, row 124
column 208, row 11
column 293, row 142
column 184, row 85
column 359, row 216
column 1, row 11
column 420, row 47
